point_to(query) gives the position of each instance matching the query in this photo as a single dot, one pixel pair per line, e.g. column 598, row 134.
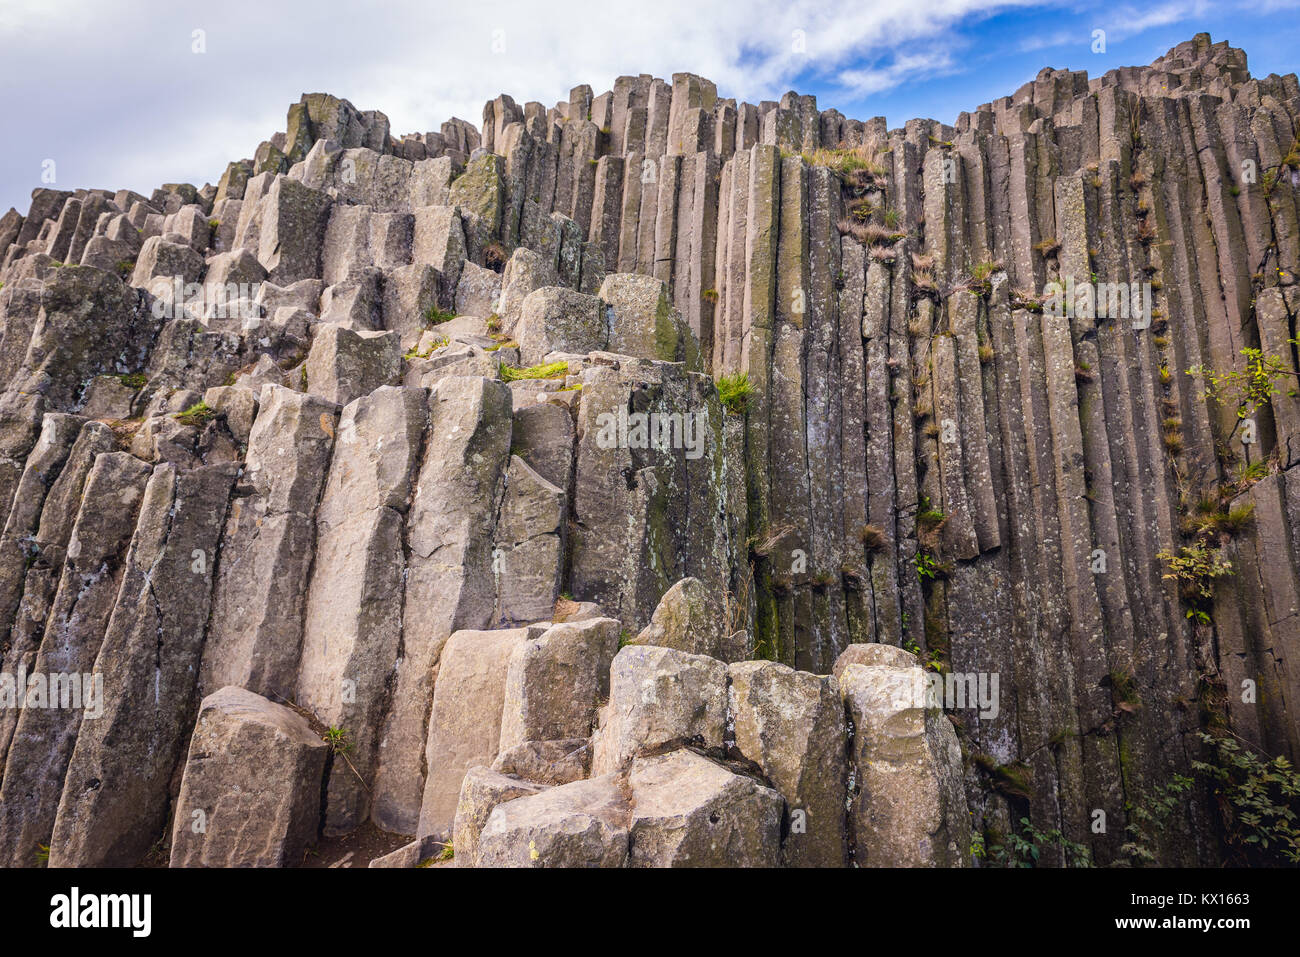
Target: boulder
column 480, row 793
column 547, row 762
column 690, row 618
column 250, row 794
column 555, row 319
column 292, row 232
column 478, row 292
column 909, row 809
column 556, row 680
column 159, row 258
column 660, row 698
column 643, row 322
column 526, row 272
column 874, row 653
column 689, row 811
column 791, row 725
column 344, row 365
column 583, row 824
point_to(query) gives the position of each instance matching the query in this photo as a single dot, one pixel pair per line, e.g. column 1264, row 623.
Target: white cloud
column 114, row 93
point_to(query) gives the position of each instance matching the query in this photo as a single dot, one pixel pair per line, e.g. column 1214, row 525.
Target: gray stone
column 583, row 824
column 791, row 725
column 556, row 681
column 910, row 810
column 250, row 795
column 344, row 365
column 660, row 698
column 688, row 811
column 480, row 793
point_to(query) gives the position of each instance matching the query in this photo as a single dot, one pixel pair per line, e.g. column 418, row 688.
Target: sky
column 135, row 93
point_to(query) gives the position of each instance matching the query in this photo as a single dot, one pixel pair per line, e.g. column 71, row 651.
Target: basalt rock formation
column 412, row 484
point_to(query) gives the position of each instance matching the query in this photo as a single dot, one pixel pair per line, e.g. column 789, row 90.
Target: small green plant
column 1250, row 388
column 447, row 853
column 625, row 637
column 434, row 316
column 1123, row 689
column 852, row 165
column 1009, row 780
column 980, row 281
column 1247, row 474
column 734, row 392
column 1258, row 800
column 927, row 568
column 337, row 739
column 929, row 519
column 415, row 353
column 196, row 415
column 1148, row 818
column 43, row 854
column 1194, row 568
column 1048, row 248
column 710, row 294
column 1024, row 848
column 549, row 370
column 133, row 380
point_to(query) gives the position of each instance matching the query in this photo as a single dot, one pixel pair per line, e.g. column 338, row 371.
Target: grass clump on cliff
column 549, row 370
column 196, row 415
column 856, row 165
column 434, row 316
column 415, row 353
column 734, row 392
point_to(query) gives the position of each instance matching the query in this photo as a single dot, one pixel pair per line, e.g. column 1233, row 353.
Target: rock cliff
column 661, row 480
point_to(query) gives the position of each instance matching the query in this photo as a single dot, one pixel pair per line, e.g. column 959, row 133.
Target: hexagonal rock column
column 690, row 618
column 465, row 726
column 643, row 322
column 555, row 681
column 909, row 810
column 251, row 793
column 791, row 724
column 480, row 793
